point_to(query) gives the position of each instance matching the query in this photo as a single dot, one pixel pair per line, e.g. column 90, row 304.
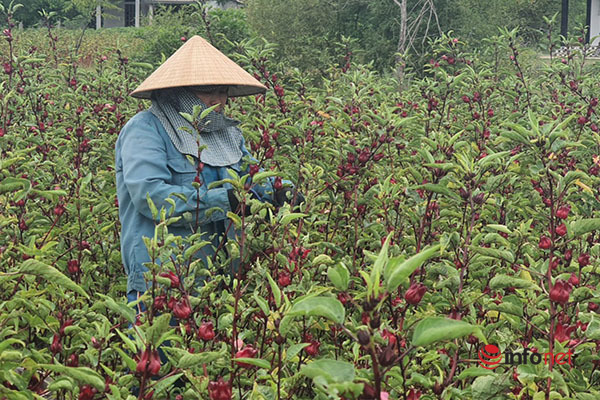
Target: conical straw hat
column 198, row 63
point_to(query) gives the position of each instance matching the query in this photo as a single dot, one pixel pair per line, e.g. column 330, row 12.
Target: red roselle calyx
column 246, row 352
column 583, row 259
column 574, row 279
column 560, row 291
column 172, row 277
column 561, row 230
column 87, row 392
column 159, row 302
column 545, row 243
column 415, row 293
column 206, row 331
column 413, row 394
column 182, row 310
column 219, row 390
column 313, row 348
column 56, row 346
column 149, row 363
column 563, row 212
column 73, row 267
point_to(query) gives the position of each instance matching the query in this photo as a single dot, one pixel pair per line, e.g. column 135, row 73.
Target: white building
column 130, row 12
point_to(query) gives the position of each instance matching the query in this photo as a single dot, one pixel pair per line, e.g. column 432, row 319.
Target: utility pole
column 564, row 20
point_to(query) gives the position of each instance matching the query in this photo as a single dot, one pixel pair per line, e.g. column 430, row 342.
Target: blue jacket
column 146, row 161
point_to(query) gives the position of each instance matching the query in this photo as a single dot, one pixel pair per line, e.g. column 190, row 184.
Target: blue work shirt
column 147, row 162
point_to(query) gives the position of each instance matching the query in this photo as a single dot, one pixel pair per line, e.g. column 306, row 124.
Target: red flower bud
column 561, row 230
column 182, row 310
column 174, row 278
column 562, row 333
column 413, row 394
column 206, row 331
column 545, row 243
column 583, row 259
column 154, row 364
column 246, row 352
column 560, row 291
column 284, row 279
column 389, row 336
column 568, row 255
column 415, row 293
column 313, row 348
column 159, row 302
column 87, row 392
column 68, row 322
column 73, row 267
column 142, row 365
column 574, row 279
column 563, row 212
column 254, row 168
column 219, row 390
column 56, row 346
column 73, row 360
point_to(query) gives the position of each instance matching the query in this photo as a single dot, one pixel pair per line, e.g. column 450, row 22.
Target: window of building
column 129, row 13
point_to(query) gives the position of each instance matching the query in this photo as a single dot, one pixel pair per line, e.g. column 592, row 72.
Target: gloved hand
column 286, row 195
column 234, row 203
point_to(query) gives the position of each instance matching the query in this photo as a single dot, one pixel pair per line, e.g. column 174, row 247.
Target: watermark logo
column 490, row 357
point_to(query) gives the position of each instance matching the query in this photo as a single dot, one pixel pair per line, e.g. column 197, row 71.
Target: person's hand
column 286, row 195
column 234, row 203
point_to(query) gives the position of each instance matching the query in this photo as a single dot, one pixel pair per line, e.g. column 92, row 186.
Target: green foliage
column 420, row 238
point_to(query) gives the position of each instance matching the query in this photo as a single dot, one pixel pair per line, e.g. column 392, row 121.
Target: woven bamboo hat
column 198, row 63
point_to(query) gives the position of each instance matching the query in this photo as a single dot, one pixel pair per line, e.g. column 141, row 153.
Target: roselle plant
column 457, row 213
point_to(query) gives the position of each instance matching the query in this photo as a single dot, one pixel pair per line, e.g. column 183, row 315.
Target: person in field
column 159, row 152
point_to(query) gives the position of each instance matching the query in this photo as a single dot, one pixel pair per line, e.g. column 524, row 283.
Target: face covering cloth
column 220, row 134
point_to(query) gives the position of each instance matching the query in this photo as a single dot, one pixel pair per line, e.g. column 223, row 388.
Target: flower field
column 458, row 212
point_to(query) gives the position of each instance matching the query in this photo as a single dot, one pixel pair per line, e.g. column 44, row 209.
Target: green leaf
column 439, row 189
column 499, row 228
column 61, row 384
column 319, row 306
column 159, row 326
column 193, row 249
column 286, row 219
column 435, row 329
column 165, row 383
column 262, row 303
column 506, row 255
column 190, row 360
column 294, row 350
column 333, row 371
column 130, row 362
column 122, row 309
column 489, row 387
column 275, row 290
column 584, row 226
column 380, row 263
column 504, row 281
column 339, row 276
column 51, row 274
column 262, row 175
column 403, row 271
column 593, row 330
column 257, row 362
column 80, row 374
column 207, row 111
column 474, row 371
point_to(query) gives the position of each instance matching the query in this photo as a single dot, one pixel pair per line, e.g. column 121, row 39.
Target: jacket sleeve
column 145, row 171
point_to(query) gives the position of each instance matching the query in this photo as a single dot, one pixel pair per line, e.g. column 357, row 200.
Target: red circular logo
column 489, row 356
